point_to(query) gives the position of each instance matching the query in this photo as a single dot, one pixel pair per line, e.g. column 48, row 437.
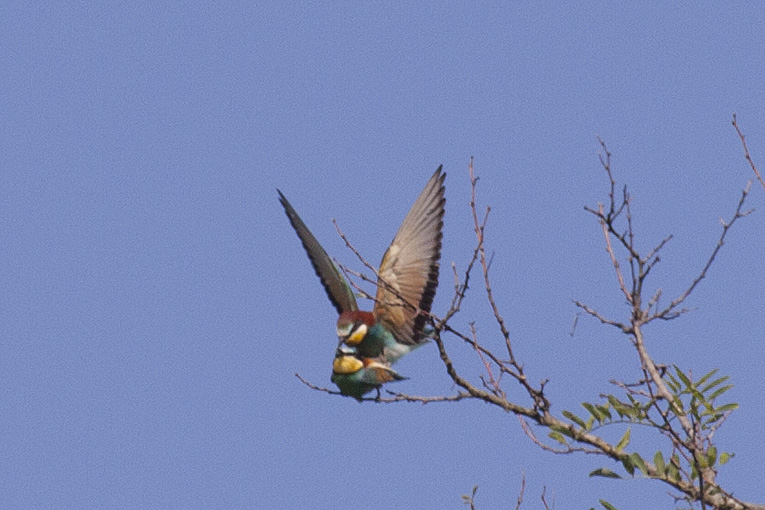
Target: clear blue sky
column 155, row 302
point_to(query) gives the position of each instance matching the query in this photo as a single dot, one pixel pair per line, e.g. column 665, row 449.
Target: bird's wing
column 409, row 268
column 337, row 288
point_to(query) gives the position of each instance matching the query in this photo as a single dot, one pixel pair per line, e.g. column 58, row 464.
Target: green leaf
column 673, row 384
column 605, row 411
column 628, row 465
column 697, row 394
column 678, row 403
column 469, row 499
column 607, row 505
column 605, row 473
column 711, row 456
column 658, row 461
column 593, row 411
column 706, row 377
column 624, row 441
column 571, row 416
column 561, row 430
column 725, row 457
column 639, row 462
column 615, row 402
column 687, row 382
column 557, row 436
column 714, row 383
column 708, row 408
column 673, row 473
column 720, row 391
column 727, row 407
column 624, row 409
column 712, row 419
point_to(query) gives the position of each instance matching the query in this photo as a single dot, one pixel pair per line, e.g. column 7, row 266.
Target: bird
column 406, row 287
column 355, row 377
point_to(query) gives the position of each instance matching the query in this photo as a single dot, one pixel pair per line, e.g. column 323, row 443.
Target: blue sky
column 156, row 304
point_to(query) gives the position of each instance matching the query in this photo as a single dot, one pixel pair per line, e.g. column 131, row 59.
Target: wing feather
column 338, row 290
column 410, row 266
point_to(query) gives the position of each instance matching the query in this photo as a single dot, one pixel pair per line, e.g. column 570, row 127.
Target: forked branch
column 661, row 399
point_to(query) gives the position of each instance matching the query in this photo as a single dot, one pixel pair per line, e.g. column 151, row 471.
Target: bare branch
column 668, row 312
column 610, row 250
column 520, row 493
column 396, row 397
column 317, row 388
column 569, row 449
column 401, row 397
column 746, row 151
column 544, row 500
column 493, row 382
column 601, row 318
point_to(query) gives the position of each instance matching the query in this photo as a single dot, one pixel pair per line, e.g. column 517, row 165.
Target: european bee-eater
column 406, row 286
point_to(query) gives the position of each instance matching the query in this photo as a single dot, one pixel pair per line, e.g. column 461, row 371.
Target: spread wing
column 337, row 288
column 410, row 266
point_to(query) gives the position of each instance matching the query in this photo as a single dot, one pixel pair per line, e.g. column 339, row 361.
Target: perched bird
column 406, row 286
column 356, row 376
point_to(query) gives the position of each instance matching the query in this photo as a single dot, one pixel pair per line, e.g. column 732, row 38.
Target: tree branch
column 746, row 151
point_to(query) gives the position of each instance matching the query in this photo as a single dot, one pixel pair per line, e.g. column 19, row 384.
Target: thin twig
column 668, row 312
column 520, row 493
column 396, row 397
column 570, row 449
column 746, row 151
column 594, row 313
column 612, row 255
column 544, row 500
